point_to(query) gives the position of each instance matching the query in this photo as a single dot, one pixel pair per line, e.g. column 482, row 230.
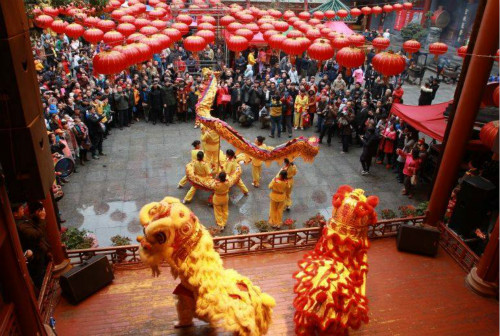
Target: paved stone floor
column 144, row 163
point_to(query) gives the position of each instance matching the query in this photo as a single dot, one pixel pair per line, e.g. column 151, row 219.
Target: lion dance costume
column 331, row 279
column 222, row 297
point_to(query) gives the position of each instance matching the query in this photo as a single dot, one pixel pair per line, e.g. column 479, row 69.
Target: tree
column 413, row 31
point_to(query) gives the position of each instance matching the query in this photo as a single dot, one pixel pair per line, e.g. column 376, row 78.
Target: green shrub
column 413, row 31
column 120, row 240
column 78, row 239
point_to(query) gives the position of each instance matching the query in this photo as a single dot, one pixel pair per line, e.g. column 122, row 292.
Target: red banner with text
column 406, row 16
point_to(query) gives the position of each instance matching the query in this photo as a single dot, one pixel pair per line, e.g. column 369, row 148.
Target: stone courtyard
column 145, row 162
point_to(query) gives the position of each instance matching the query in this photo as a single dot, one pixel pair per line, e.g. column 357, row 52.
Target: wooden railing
column 246, row 244
column 456, row 248
column 8, row 321
column 47, row 293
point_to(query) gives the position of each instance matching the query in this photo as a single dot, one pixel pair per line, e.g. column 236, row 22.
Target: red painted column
column 54, row 235
column 483, row 279
column 467, row 109
column 427, row 7
column 306, row 5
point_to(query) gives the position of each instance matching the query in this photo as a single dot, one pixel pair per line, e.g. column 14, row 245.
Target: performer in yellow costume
column 279, row 187
column 221, row 200
column 291, row 171
column 230, row 167
column 201, row 168
column 211, row 140
column 257, row 164
column 196, row 145
column 301, row 105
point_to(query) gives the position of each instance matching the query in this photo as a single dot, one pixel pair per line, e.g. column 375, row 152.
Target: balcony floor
column 409, row 295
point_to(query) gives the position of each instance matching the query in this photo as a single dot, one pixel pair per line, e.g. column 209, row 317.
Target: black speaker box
column 26, row 161
column 420, row 240
column 84, row 280
column 471, row 207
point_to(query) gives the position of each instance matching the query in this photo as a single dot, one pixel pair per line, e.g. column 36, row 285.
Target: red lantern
column 253, row 27
column 132, row 54
column 355, row 12
column 292, row 46
column 184, row 19
column 208, row 35
column 381, row 43
column 93, row 35
column 321, row 50
column 356, row 40
column 330, row 14
column 267, row 34
column 165, row 41
column 411, row 47
column 74, row 30
column 237, row 43
column 106, row 25
column 266, row 26
column 397, row 7
column 489, row 132
column 206, row 26
column 140, row 22
column 288, row 15
column 43, row 21
column 194, row 43
column 388, row 63
column 226, row 20
column 332, row 36
column 294, row 34
column 173, row 33
column 407, row 5
column 126, row 29
column 246, row 33
column 276, row 41
column 159, row 24
column 113, row 37
column 182, row 27
column 91, row 21
column 145, row 51
column 342, row 13
column 59, row 26
column 118, row 13
column 305, row 43
column 246, row 18
column 313, row 34
column 155, row 44
column 135, row 37
column 350, row 57
column 462, row 51
column 208, row 19
column 438, row 48
column 319, row 15
column 387, row 8
column 281, row 26
column 109, row 62
column 366, row 10
column 340, row 42
column 304, row 16
column 127, row 19
column 139, row 7
column 149, row 30
column 313, row 22
column 51, row 11
column 376, row 10
column 157, row 13
column 275, row 13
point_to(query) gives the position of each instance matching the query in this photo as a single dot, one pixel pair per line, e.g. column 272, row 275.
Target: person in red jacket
column 222, row 100
column 398, row 95
column 387, row 145
column 287, row 104
column 412, row 165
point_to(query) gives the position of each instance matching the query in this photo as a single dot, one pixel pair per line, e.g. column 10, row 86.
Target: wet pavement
column 144, row 163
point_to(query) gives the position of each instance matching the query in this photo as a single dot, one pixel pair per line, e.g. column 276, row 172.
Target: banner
column 405, row 17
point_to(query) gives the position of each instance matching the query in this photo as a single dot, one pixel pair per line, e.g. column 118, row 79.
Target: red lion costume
column 332, row 278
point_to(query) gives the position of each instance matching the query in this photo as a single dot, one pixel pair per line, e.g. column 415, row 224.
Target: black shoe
column 271, row 136
column 102, row 154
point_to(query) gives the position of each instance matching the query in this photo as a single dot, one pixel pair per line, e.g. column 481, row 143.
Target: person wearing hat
column 157, row 103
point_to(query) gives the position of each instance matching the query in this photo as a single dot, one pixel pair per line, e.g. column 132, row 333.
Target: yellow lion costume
column 221, row 297
column 331, row 281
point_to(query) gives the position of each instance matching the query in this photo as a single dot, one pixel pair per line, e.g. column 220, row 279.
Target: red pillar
column 306, row 5
column 54, row 235
column 483, row 279
column 467, row 108
column 427, row 7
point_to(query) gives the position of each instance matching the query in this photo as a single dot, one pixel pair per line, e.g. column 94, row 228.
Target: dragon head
column 170, row 232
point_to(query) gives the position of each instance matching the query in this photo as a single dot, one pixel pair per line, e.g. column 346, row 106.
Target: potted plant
column 118, row 240
column 289, row 224
column 242, row 229
column 422, row 208
column 75, row 239
column 262, row 226
column 407, row 211
column 315, row 221
column 388, row 214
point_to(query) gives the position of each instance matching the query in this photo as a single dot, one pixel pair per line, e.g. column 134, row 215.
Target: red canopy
column 339, row 27
column 428, row 119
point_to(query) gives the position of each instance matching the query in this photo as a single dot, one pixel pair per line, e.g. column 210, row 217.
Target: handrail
column 457, row 248
column 46, row 293
column 246, row 244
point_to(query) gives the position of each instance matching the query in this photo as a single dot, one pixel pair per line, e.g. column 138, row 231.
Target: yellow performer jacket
column 278, row 190
column 194, row 153
column 201, row 168
column 291, row 171
column 301, row 103
column 211, row 140
column 221, row 193
column 230, row 166
column 256, row 162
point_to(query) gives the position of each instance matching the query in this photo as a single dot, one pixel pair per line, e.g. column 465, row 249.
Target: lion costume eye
column 160, row 237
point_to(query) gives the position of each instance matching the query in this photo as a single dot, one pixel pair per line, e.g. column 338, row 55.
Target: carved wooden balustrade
column 457, row 248
column 244, row 244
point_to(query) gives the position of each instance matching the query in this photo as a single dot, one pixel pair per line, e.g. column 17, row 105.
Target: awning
column 339, row 27
column 428, row 119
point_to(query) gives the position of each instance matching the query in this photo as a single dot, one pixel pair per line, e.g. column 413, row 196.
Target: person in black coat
column 236, row 100
column 370, row 144
column 156, row 101
column 96, row 132
column 425, row 95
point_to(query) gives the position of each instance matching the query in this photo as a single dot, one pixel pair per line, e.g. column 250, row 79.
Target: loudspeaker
column 471, row 207
column 19, row 91
column 84, row 280
column 26, row 161
column 421, row 240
